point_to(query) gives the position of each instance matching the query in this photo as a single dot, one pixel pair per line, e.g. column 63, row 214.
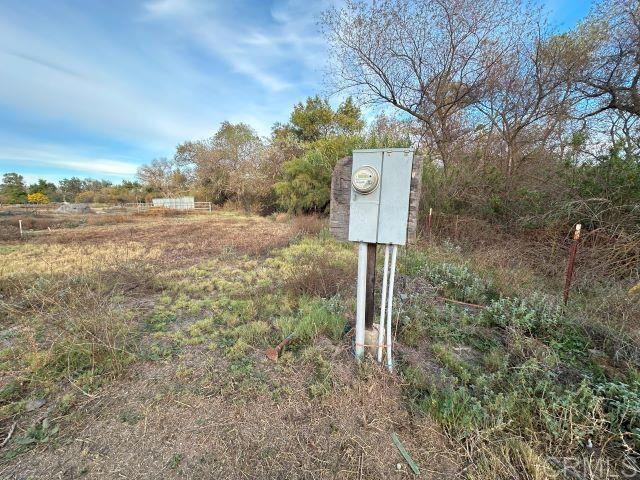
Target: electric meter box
column 380, row 190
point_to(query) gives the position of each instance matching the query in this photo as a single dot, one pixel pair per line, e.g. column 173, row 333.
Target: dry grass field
column 135, row 349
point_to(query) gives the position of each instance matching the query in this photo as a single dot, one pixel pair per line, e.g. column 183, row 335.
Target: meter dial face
column 365, row 180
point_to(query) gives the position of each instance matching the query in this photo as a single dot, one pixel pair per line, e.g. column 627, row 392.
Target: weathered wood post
column 372, row 250
column 372, row 205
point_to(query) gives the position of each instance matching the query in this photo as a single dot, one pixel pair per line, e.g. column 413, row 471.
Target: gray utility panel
column 381, row 184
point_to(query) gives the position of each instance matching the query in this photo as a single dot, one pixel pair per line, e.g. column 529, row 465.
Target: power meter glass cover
column 365, row 180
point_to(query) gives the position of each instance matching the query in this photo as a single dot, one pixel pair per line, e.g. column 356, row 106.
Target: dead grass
column 214, row 435
column 308, row 224
column 185, row 240
column 146, row 342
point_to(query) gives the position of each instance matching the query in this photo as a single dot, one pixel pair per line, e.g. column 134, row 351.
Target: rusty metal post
column 573, row 250
column 372, row 250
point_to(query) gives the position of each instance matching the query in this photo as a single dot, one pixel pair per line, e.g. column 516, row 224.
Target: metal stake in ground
column 572, row 260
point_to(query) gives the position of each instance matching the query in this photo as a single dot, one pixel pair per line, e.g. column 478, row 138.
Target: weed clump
column 314, row 267
column 457, row 282
column 321, row 381
column 533, row 315
column 315, row 317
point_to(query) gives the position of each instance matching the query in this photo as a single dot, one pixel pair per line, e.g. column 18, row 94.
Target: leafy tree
column 38, row 198
column 70, row 187
column 306, row 186
column 347, row 118
column 227, row 166
column 46, row 188
column 91, row 184
column 313, row 119
column 306, row 183
column 13, row 188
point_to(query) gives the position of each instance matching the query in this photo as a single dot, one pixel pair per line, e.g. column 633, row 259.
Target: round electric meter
column 365, row 180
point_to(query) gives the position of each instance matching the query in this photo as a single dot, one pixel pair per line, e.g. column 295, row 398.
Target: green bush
column 622, row 407
column 531, row 315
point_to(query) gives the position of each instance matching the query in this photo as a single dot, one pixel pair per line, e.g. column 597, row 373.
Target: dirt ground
column 186, row 428
column 195, row 416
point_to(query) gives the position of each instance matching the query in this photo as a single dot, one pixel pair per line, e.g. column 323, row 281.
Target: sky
column 95, row 88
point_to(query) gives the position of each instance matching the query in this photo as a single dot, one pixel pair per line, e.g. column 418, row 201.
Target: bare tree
column 429, row 58
column 527, row 99
column 228, row 164
column 156, row 174
column 607, row 45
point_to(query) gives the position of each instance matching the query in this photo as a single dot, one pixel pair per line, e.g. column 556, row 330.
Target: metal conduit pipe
column 392, row 274
column 383, row 302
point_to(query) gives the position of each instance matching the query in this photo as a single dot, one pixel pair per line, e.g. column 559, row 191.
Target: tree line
column 14, row 190
column 289, row 170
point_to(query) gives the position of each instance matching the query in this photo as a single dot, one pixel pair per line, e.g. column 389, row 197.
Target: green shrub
column 457, row 409
column 622, row 407
column 533, row 315
column 450, row 280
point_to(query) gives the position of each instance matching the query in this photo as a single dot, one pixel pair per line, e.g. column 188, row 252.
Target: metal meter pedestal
column 381, row 182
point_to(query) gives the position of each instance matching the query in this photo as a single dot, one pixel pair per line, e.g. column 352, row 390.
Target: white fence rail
column 144, row 207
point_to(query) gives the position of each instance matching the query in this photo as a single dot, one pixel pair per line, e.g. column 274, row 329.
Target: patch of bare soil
column 162, row 423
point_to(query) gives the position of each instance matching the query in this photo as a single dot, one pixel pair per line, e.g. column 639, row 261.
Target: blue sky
column 95, row 88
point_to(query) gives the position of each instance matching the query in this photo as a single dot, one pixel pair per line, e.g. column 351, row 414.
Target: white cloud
column 257, row 48
column 54, row 156
column 146, row 76
column 100, row 86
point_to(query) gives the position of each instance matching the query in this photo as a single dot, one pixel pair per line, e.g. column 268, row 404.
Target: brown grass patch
column 309, row 224
column 184, row 240
column 186, row 425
